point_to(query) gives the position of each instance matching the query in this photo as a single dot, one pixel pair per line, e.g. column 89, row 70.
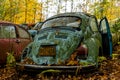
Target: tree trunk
column 25, row 11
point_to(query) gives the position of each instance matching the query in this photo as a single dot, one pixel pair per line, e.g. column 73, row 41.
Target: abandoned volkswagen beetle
column 68, row 40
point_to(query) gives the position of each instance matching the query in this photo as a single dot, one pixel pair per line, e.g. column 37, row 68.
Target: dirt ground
column 108, row 70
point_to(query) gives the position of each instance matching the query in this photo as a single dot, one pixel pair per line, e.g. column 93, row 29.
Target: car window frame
column 9, row 24
column 59, row 17
column 97, row 29
column 17, row 26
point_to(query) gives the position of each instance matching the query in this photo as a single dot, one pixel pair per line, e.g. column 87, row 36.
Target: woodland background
column 32, row 11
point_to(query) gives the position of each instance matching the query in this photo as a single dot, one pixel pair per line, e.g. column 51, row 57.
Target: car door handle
column 18, row 41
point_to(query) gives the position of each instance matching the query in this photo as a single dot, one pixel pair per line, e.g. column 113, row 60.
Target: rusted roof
column 5, row 22
column 78, row 14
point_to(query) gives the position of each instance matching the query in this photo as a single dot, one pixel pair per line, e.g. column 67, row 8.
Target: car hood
column 64, row 40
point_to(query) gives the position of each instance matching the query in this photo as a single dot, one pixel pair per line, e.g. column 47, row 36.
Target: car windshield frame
column 63, row 21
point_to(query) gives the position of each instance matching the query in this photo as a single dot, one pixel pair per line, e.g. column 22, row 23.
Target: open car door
column 106, row 38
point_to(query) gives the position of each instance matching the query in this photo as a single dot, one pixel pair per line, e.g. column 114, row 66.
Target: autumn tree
column 105, row 8
column 2, row 8
column 20, row 11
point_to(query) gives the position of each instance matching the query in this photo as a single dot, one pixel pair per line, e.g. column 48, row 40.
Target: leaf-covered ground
column 108, row 70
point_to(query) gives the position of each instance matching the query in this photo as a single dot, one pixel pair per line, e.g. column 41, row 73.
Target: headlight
column 25, row 52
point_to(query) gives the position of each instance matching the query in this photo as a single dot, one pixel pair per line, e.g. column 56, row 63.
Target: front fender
column 26, row 51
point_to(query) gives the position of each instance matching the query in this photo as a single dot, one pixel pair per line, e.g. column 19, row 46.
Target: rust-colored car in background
column 13, row 39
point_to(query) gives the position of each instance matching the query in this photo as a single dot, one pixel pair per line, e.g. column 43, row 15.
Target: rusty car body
column 66, row 41
column 13, row 39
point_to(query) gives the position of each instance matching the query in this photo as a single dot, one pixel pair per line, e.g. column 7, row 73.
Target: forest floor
column 108, row 70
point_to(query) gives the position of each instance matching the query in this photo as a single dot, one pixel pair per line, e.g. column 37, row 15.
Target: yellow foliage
column 106, row 8
column 21, row 11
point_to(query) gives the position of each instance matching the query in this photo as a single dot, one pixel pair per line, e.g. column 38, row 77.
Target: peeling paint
column 67, row 40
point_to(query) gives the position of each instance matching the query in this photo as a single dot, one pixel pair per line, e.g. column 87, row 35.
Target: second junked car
column 13, row 39
column 68, row 40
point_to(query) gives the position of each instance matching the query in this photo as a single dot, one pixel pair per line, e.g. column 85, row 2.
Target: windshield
column 63, row 21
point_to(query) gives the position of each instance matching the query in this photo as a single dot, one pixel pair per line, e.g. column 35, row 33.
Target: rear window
column 63, row 22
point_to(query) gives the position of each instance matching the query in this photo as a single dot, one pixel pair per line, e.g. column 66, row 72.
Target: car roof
column 77, row 14
column 6, row 22
column 84, row 16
